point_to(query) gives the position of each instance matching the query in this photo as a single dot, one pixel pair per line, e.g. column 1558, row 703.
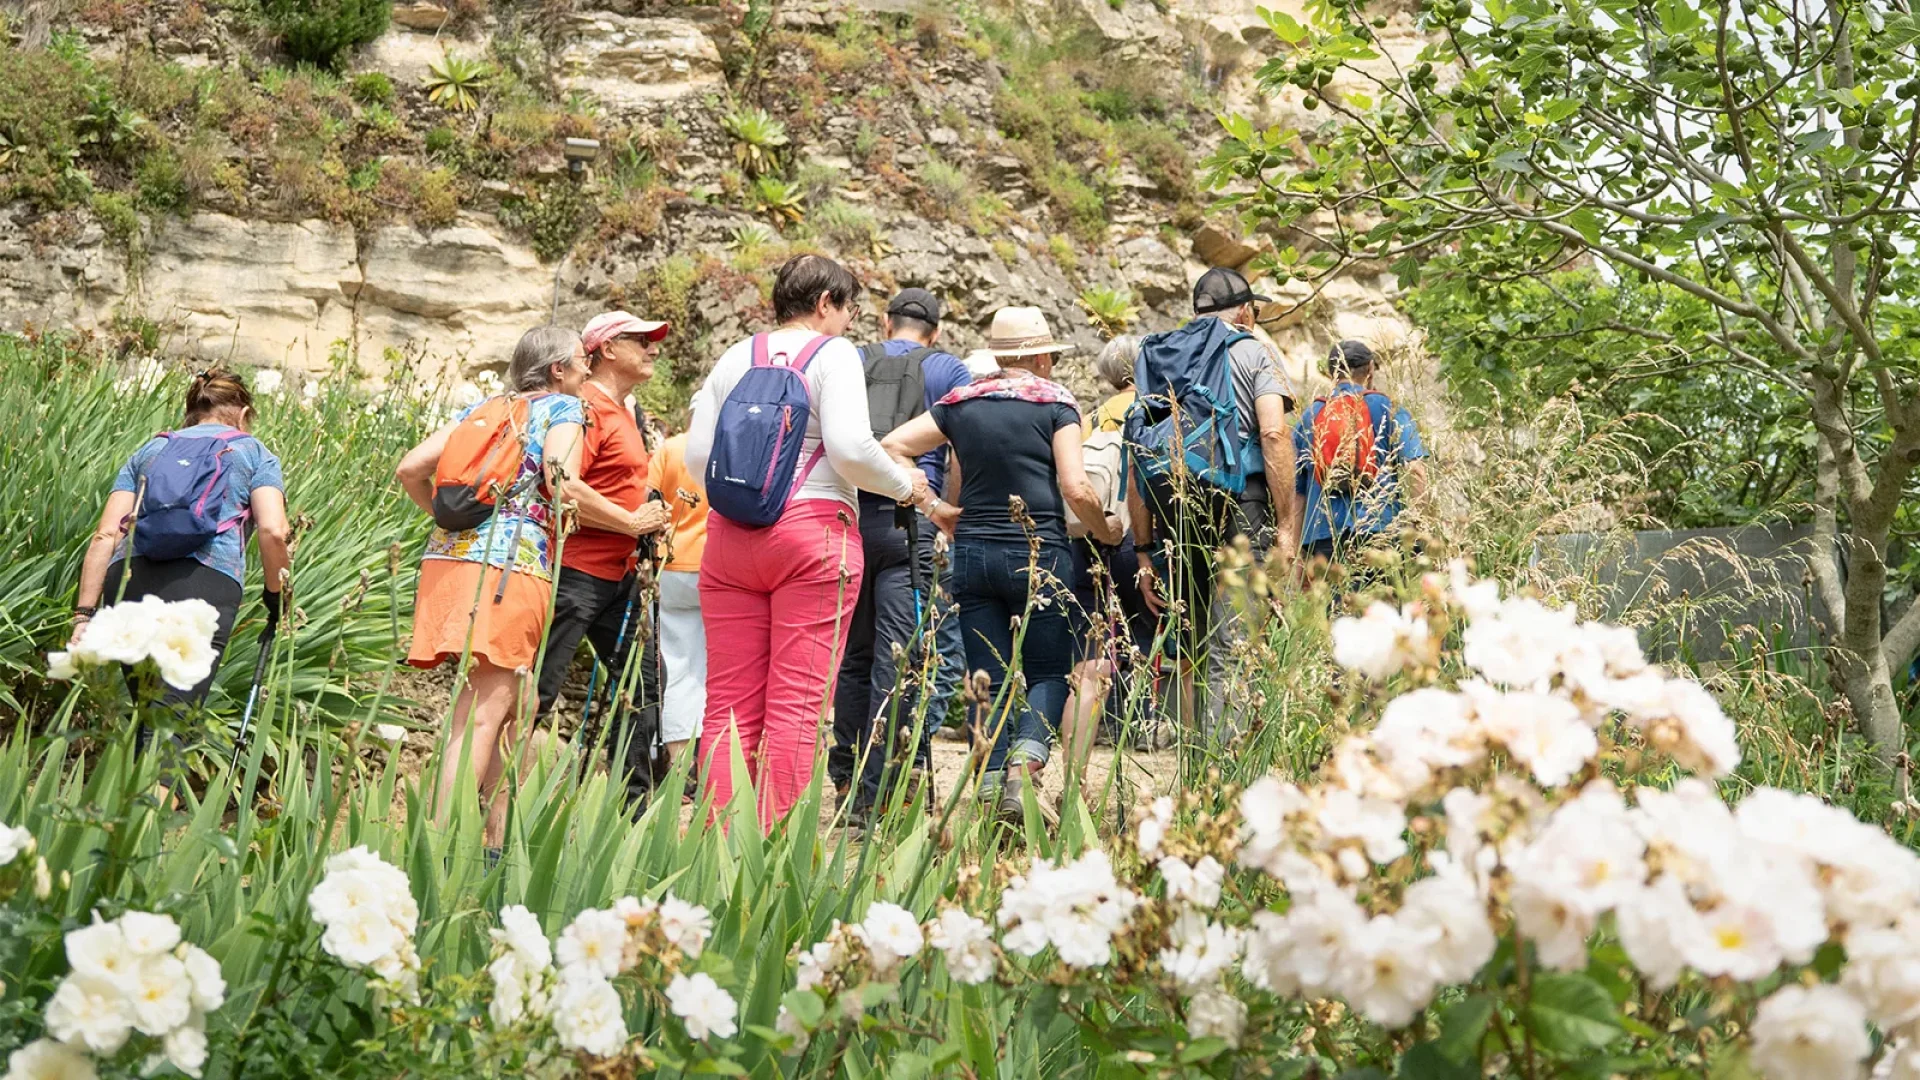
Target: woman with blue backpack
column 189, row 498
column 781, row 434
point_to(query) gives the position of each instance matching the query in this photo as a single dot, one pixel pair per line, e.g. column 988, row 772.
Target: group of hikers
column 886, row 527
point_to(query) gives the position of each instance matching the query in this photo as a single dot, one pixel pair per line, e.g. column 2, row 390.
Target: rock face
column 285, row 292
column 281, row 293
column 631, row 63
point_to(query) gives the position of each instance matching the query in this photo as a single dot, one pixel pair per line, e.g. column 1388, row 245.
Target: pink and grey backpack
column 184, row 493
column 755, row 468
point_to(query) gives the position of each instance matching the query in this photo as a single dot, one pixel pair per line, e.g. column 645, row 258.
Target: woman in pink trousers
column 777, row 598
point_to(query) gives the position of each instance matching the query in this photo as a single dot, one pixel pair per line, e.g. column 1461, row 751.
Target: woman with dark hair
column 1016, row 440
column 219, row 412
column 777, row 598
column 485, row 591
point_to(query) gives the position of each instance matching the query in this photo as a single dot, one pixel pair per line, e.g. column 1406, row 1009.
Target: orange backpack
column 481, row 464
column 1346, row 450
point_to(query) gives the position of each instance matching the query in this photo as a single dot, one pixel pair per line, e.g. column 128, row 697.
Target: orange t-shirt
column 688, row 498
column 613, row 463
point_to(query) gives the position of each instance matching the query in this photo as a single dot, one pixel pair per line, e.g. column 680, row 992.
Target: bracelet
column 84, row 611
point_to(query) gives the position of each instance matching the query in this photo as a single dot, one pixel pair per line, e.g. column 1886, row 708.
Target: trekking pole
column 645, row 550
column 904, row 515
column 241, row 740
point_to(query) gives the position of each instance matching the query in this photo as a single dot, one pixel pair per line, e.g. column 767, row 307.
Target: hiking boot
column 1010, row 807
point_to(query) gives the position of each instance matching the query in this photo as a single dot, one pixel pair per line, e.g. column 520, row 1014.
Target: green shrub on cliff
column 318, row 31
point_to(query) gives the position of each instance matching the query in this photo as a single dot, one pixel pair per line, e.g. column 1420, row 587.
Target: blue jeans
column 887, row 615
column 992, row 582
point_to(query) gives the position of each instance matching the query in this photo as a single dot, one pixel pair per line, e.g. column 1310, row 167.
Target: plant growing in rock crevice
column 454, row 83
column 760, row 140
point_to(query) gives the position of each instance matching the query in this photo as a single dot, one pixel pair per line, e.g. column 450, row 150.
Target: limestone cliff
column 966, row 151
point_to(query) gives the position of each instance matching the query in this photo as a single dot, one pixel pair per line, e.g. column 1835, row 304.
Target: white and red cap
column 609, row 325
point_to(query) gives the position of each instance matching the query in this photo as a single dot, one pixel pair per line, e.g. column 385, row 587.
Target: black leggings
column 181, row 579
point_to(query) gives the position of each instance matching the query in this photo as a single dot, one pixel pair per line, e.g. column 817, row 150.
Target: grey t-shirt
column 1255, row 375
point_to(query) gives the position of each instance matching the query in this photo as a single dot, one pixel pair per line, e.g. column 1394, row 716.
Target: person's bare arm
column 415, row 471
column 596, row 511
column 1276, row 452
column 1417, row 481
column 917, row 436
column 272, row 530
column 561, row 454
column 93, row 568
column 1071, row 466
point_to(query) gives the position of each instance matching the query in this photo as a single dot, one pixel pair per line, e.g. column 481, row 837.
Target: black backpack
column 896, row 386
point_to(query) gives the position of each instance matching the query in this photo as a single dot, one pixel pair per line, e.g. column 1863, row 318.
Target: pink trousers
column 777, row 602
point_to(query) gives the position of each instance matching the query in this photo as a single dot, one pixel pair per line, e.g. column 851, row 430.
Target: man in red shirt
column 596, row 593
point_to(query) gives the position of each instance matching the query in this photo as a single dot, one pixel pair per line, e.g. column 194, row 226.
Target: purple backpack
column 755, row 468
column 185, row 490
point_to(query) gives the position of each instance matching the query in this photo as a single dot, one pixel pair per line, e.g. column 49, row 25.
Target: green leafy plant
column 454, row 82
column 372, row 88
column 751, row 238
column 760, row 140
column 780, row 200
column 318, row 31
column 1111, row 310
column 849, row 226
column 107, row 123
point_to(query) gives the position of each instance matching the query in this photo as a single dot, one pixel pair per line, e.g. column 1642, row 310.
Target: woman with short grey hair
column 505, row 563
column 1115, row 365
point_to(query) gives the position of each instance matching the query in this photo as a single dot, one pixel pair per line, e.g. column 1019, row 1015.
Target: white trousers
column 683, row 649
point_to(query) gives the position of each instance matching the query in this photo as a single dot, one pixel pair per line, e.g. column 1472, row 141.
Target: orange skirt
column 505, row 634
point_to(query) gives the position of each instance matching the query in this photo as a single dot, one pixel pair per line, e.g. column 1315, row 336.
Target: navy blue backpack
column 755, row 468
column 185, row 493
column 1185, row 416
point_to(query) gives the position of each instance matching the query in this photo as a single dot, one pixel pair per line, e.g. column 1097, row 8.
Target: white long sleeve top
column 838, row 382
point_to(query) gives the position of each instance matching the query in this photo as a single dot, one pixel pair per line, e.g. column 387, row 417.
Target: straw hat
column 1022, row 331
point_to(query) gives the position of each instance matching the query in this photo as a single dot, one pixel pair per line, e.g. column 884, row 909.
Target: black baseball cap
column 916, row 304
column 1350, row 356
column 1223, row 289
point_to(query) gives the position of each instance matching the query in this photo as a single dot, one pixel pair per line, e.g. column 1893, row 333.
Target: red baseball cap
column 609, row 325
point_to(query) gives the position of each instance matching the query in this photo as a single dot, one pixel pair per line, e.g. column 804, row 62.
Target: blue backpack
column 1185, row 415
column 755, row 468
column 185, row 492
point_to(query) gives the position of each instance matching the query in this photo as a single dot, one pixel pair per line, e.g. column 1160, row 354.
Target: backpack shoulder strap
column 759, row 351
column 871, row 353
column 809, row 351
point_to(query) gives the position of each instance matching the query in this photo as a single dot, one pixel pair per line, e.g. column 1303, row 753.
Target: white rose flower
column 100, row 950
column 119, row 634
column 1379, row 643
column 90, row 1012
column 1201, row 951
column 892, row 934
column 360, row 937
column 1479, row 599
column 1269, row 954
column 62, row 666
column 1377, row 825
column 1653, row 922
column 186, row 1048
column 268, row 381
column 703, row 1005
column 14, row 842
column 519, row 932
column 594, row 942
column 1198, row 884
column 967, row 945
column 686, row 926
column 588, row 1015
column 1518, row 646
column 1803, row 1032
column 1390, row 976
column 1541, row 731
column 147, row 934
column 203, row 971
column 1446, row 907
column 1153, row 827
column 162, row 995
column 1324, row 936
column 1883, row 971
column 1214, row 1012
column 45, row 1059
